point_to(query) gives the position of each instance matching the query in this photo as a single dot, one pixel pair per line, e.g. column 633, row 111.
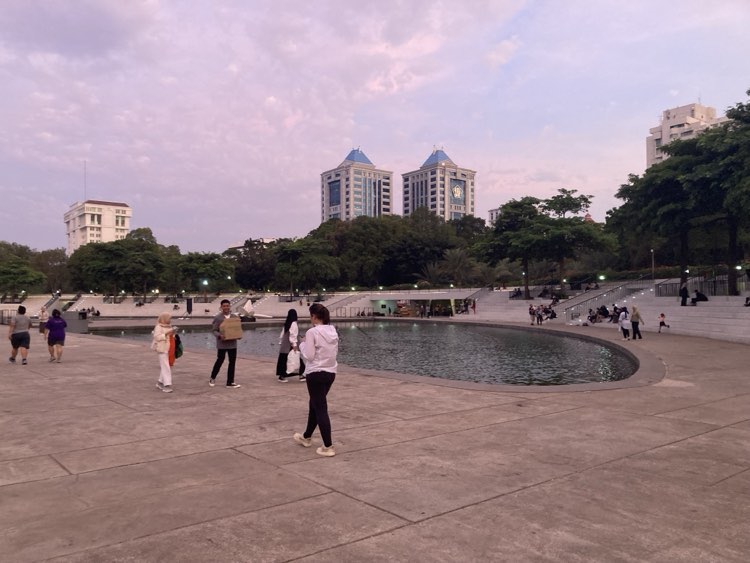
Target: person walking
column 43, row 318
column 163, row 335
column 635, row 321
column 662, row 321
column 624, row 322
column 19, row 336
column 288, row 340
column 319, row 348
column 224, row 347
column 56, row 326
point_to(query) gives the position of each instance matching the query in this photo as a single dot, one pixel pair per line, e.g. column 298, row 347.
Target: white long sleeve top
column 320, row 348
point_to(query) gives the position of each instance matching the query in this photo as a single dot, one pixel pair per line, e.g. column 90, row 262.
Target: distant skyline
column 213, row 120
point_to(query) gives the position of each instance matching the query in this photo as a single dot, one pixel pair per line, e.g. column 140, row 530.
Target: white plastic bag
column 292, row 362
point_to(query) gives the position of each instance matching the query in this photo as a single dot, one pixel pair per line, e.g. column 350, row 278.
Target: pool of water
column 449, row 351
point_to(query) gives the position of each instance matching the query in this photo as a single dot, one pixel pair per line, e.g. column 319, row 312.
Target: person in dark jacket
column 684, row 295
column 698, row 297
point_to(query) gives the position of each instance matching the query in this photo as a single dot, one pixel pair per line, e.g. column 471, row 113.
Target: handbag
column 292, row 362
column 178, row 349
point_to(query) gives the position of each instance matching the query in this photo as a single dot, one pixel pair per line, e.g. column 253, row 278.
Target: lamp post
column 653, row 270
column 205, row 291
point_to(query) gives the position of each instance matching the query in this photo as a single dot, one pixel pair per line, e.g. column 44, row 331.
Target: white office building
column 440, row 185
column 355, row 188
column 684, row 122
column 96, row 221
column 494, row 214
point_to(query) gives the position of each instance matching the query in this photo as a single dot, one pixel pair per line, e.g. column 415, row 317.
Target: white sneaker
column 167, row 388
column 326, row 452
column 301, row 440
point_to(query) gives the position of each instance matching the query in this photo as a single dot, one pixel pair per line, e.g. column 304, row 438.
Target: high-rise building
column 444, row 188
column 96, row 221
column 684, row 122
column 494, row 214
column 355, row 188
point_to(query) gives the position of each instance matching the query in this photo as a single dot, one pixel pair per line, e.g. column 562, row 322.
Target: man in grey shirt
column 19, row 335
column 224, row 348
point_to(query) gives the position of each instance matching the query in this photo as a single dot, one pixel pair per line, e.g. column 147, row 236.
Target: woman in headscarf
column 163, row 336
column 288, row 341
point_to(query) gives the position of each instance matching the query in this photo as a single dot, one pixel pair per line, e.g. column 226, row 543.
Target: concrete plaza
column 96, row 464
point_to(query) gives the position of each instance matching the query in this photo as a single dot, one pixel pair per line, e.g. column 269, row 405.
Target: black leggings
column 318, row 385
column 220, row 354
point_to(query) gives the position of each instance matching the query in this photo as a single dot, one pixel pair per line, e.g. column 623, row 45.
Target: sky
column 213, row 119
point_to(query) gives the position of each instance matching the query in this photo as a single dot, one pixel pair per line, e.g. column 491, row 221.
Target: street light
column 653, row 276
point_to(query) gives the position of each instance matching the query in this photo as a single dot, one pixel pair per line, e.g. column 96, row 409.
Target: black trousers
column 636, row 330
column 281, row 365
column 220, row 355
column 318, row 385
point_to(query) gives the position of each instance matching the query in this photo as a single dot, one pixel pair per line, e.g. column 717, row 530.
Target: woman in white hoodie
column 319, row 349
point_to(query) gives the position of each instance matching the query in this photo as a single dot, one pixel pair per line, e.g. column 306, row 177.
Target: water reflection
column 450, row 351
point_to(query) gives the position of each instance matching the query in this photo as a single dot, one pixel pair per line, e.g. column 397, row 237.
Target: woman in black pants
column 319, row 349
column 288, row 342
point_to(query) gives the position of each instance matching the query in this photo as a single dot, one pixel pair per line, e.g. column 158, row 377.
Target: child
column 662, row 321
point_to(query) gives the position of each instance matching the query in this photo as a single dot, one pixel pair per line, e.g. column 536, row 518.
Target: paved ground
column 98, row 465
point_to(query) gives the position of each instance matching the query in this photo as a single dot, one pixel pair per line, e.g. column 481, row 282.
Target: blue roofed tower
column 355, row 188
column 440, row 185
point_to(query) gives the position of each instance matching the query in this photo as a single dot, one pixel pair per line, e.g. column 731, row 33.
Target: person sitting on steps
column 698, row 297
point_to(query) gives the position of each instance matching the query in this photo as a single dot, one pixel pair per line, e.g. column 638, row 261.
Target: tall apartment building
column 444, row 188
column 494, row 214
column 684, row 122
column 96, row 221
column 355, row 188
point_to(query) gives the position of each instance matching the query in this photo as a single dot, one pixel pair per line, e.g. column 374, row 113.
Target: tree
column 10, row 250
column 566, row 202
column 431, row 274
column 719, row 182
column 468, row 229
column 143, row 234
column 515, row 236
column 98, row 266
column 54, row 265
column 423, row 238
column 458, row 266
column 255, row 264
column 16, row 275
column 568, row 237
column 209, row 267
column 172, row 280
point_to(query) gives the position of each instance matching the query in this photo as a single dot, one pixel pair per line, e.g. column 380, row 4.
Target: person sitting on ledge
column 698, row 297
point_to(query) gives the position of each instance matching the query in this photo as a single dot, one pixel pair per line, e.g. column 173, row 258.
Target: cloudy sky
column 214, row 119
